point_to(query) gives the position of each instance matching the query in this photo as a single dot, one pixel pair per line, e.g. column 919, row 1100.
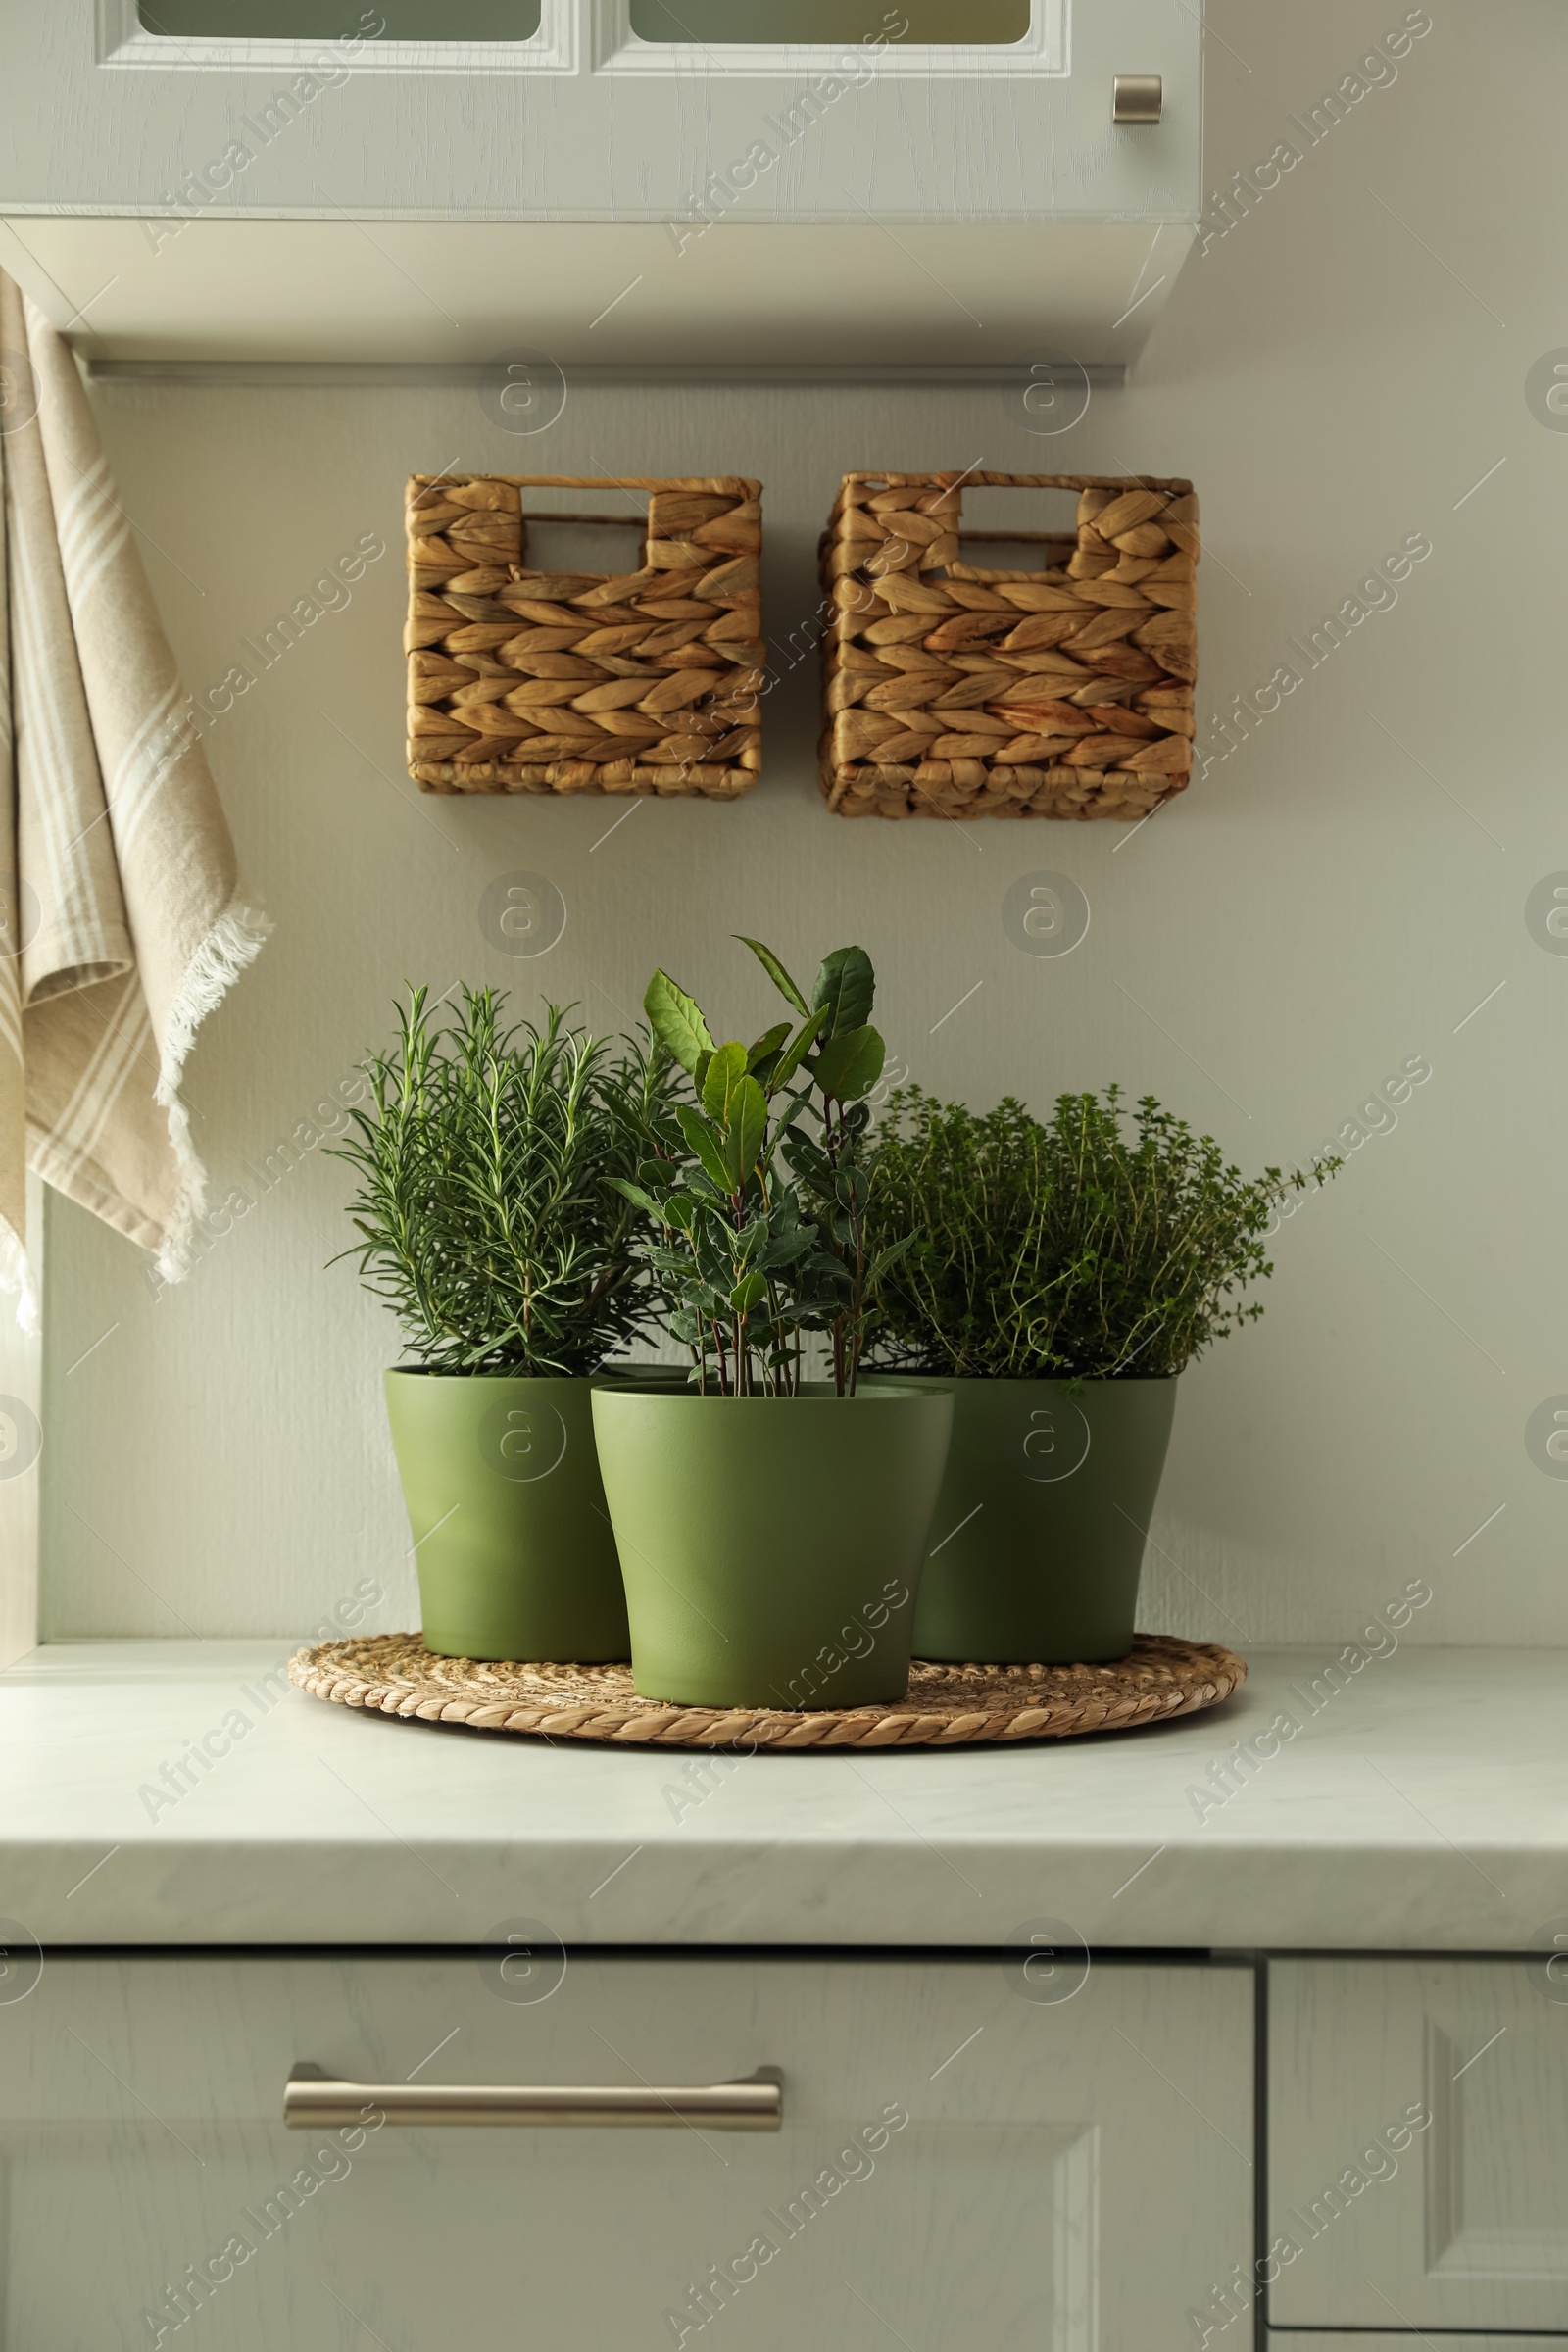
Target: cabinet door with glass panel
column 801, row 112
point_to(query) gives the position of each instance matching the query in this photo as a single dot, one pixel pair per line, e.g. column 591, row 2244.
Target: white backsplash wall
column 1343, row 373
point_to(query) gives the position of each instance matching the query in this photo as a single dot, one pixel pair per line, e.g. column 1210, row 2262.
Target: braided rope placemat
column 947, row 1707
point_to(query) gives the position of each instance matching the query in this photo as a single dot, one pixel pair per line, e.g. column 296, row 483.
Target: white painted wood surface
column 1073, row 2173
column 748, row 293
column 1462, row 2222
column 590, row 196
column 588, row 123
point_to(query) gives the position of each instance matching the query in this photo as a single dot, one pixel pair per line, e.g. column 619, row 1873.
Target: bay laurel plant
column 486, row 1208
column 1104, row 1242
column 760, row 1186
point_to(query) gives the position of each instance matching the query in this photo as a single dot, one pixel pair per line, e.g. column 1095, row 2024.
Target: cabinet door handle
column 315, row 2101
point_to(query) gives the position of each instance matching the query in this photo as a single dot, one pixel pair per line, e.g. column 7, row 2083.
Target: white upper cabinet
column 849, row 181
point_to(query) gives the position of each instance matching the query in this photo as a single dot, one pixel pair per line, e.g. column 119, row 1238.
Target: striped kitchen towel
column 123, row 919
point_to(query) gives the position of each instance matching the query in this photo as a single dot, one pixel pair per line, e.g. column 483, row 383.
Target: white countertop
column 1424, row 1806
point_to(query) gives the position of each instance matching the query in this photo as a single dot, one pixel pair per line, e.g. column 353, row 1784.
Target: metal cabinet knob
column 314, row 2102
column 1137, row 98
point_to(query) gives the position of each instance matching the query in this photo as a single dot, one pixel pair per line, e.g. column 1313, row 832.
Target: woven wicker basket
column 532, row 681
column 952, row 691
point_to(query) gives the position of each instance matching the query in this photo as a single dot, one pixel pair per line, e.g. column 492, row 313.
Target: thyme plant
column 486, row 1207
column 1103, row 1243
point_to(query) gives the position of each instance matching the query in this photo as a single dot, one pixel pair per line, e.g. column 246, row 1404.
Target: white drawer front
column 1074, row 2170
column 1418, row 2144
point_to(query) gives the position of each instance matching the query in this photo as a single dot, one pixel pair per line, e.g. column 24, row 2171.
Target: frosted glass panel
column 341, row 19
column 943, row 22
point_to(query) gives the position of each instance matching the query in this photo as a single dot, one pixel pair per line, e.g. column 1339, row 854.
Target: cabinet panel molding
column 1418, row 2144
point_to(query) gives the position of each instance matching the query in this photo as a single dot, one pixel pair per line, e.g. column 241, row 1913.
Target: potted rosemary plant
column 1061, row 1276
column 489, row 1223
column 770, row 1527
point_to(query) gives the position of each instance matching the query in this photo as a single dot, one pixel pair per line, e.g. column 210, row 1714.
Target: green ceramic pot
column 1036, row 1541
column 772, row 1546
column 511, row 1537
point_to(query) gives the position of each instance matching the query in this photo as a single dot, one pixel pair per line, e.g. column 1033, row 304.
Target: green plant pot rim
column 502, row 1372
column 1058, row 1380
column 868, row 1390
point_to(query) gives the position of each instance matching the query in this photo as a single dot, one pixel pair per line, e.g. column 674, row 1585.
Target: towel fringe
column 17, row 1278
column 231, row 946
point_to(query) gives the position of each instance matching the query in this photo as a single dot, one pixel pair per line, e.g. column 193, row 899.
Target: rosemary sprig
column 488, row 1219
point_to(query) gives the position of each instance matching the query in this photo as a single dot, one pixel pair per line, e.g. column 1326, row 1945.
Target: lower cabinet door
column 969, row 2154
column 1418, row 2145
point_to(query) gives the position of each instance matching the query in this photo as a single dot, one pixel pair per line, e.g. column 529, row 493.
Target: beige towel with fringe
column 123, row 919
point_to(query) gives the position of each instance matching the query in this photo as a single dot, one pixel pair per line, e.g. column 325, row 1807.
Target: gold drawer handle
column 314, row 2102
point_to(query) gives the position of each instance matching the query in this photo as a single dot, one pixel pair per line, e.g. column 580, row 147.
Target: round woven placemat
column 947, row 1707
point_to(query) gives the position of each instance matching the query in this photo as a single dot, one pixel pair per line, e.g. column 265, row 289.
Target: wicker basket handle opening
column 634, row 519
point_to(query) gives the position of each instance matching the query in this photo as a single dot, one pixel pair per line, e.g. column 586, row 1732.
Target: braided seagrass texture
column 948, row 1706
column 535, row 681
column 953, row 691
